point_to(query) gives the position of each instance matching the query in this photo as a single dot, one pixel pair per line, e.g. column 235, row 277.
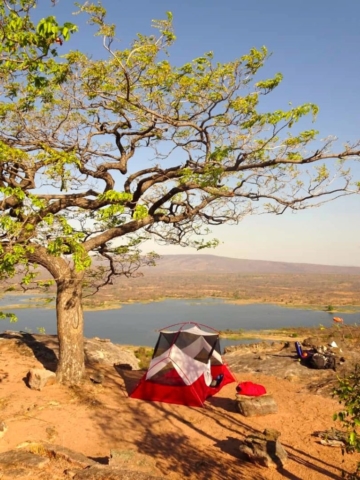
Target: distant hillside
column 186, row 265
column 214, row 264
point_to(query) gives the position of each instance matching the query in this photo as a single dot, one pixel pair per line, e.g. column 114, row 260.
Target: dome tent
column 186, row 367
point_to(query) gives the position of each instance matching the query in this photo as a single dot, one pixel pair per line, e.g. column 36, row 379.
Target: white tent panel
column 158, row 363
column 188, row 368
column 195, row 348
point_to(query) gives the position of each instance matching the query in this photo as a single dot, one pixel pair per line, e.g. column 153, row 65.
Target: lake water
column 137, row 323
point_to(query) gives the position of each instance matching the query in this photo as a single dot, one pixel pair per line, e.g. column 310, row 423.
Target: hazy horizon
column 212, row 254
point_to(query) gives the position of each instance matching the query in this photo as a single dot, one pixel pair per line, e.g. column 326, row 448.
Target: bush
column 144, row 355
column 348, row 393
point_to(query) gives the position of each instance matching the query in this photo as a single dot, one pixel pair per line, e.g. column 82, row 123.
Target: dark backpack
column 317, row 361
column 320, row 361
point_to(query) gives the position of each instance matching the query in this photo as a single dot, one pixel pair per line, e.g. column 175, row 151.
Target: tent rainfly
column 186, row 367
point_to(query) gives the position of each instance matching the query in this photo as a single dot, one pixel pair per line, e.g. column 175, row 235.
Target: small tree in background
column 94, row 152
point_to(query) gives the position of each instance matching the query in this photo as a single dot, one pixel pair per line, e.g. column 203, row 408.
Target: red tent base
column 190, row 395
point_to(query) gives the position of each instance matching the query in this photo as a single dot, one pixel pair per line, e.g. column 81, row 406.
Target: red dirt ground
column 162, row 439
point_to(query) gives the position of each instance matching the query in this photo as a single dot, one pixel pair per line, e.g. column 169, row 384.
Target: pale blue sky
column 316, row 45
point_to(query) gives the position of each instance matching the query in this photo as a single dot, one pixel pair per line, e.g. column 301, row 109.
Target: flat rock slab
column 255, row 406
column 109, row 473
column 16, row 473
column 46, row 347
column 21, row 458
column 58, row 452
column 131, row 460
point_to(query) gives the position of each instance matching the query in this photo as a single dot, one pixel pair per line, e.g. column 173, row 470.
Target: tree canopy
column 99, row 154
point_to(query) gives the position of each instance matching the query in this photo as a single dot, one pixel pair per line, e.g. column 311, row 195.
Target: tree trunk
column 70, row 327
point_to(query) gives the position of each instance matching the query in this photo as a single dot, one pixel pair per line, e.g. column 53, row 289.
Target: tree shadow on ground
column 227, row 404
column 130, row 377
column 190, row 459
column 308, row 461
column 43, row 349
column 174, row 436
column 182, row 440
column 185, row 437
column 231, row 446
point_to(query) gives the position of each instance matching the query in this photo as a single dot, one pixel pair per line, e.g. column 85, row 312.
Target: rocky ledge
column 279, row 359
column 46, row 349
column 43, row 461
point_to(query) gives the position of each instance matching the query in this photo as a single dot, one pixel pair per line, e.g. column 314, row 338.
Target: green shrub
column 144, row 355
column 348, row 394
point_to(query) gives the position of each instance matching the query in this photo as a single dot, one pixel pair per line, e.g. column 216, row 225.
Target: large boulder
column 103, row 351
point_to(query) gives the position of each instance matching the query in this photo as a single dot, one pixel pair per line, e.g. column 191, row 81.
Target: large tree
column 99, row 154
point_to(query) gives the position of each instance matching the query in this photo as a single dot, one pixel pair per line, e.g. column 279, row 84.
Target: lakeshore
column 136, row 323
column 38, row 300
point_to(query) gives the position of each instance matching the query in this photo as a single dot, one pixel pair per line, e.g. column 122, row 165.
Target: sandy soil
column 175, row 441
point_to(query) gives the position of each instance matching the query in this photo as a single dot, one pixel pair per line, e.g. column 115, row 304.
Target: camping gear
column 301, row 353
column 322, row 361
column 255, row 406
column 250, row 389
column 318, row 358
column 186, row 367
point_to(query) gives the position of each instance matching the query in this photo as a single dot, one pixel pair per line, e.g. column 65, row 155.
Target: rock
column 71, row 472
column 255, row 406
column 98, row 351
column 38, row 378
column 262, row 357
column 265, row 449
column 131, row 459
column 13, row 473
column 59, row 452
column 281, row 454
column 271, row 434
column 97, row 377
column 21, row 458
column 108, row 473
column 3, row 428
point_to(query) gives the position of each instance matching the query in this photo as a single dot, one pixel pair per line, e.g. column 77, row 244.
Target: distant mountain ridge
column 215, row 264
